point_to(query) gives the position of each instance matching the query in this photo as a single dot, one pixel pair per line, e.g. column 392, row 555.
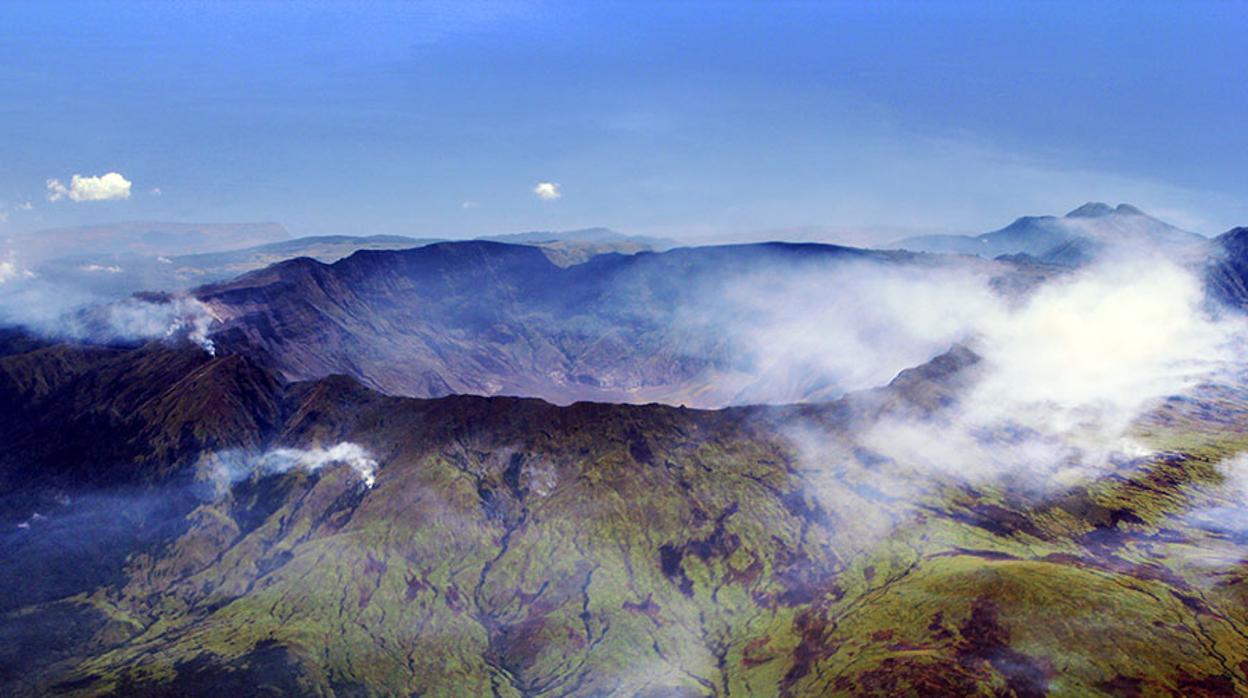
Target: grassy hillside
column 511, row 547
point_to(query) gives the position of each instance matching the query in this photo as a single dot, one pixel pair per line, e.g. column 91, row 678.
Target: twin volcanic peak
column 1073, row 239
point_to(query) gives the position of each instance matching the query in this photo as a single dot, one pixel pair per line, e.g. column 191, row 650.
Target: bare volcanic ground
column 512, row 547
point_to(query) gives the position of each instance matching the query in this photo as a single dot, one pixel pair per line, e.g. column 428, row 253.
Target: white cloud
column 469, row 204
column 8, row 268
column 1065, row 375
column 107, row 187
column 156, row 191
column 25, row 206
column 111, row 269
column 1066, row 368
column 547, row 191
column 56, row 190
column 4, row 216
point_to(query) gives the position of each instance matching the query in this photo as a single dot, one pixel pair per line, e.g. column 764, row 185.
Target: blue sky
column 850, row 121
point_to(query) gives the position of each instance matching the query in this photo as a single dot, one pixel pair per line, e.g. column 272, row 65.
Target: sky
column 854, row 122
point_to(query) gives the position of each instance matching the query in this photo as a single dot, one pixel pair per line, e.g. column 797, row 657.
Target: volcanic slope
column 512, row 547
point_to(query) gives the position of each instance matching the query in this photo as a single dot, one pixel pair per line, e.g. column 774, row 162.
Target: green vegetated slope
column 511, row 547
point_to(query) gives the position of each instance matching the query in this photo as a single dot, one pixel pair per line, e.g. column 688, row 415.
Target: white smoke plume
column 134, row 318
column 345, row 452
column 229, row 467
column 63, row 312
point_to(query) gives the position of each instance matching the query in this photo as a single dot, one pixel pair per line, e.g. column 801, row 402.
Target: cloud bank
column 1063, row 377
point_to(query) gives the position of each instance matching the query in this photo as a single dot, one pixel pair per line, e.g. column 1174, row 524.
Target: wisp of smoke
column 1220, row 515
column 227, row 468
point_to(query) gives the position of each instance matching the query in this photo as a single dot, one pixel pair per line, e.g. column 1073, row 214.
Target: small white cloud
column 8, row 268
column 107, row 187
column 111, row 269
column 547, row 191
column 25, row 206
column 4, row 216
column 469, row 204
column 155, row 191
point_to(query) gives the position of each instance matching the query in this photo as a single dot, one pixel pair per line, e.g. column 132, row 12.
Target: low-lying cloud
column 9, row 269
column 793, row 334
column 1064, row 372
column 1063, row 377
column 108, row 268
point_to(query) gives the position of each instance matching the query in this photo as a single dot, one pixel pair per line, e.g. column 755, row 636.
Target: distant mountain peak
column 1097, row 209
column 1092, row 209
column 1070, row 240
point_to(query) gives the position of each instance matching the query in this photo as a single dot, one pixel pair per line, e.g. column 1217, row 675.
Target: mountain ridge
column 489, row 318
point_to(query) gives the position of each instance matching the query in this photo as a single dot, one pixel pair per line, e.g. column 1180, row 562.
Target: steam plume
column 230, row 467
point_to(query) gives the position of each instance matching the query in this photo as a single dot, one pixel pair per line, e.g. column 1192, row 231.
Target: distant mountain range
column 146, row 239
column 1073, row 239
column 492, row 319
column 115, row 260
